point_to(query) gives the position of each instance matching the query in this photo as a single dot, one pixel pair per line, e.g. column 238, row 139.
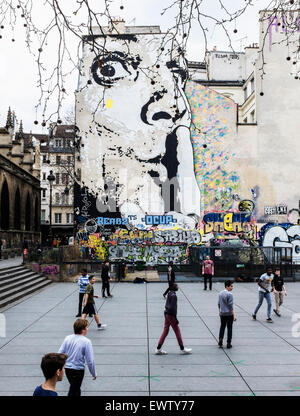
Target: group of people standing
column 268, row 282
column 76, row 349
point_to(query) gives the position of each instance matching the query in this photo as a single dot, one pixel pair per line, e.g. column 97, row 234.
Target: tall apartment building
column 57, row 155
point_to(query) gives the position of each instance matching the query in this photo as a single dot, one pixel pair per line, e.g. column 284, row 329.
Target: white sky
column 18, row 70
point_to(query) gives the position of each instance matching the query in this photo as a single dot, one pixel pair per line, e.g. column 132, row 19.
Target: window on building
column 43, row 193
column 58, row 142
column 252, row 115
column 245, row 94
column 69, row 218
column 44, row 176
column 57, row 178
column 57, row 198
column 70, row 161
column 43, row 215
column 252, row 84
column 64, row 199
column 57, row 218
column 58, row 159
column 245, row 120
column 65, row 178
column 44, row 158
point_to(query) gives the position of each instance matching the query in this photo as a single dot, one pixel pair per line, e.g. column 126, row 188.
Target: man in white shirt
column 264, row 284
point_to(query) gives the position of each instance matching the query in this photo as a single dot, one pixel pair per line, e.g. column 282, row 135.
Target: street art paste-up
column 133, row 119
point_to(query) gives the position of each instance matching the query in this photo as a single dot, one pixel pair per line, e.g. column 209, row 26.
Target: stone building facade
column 19, row 189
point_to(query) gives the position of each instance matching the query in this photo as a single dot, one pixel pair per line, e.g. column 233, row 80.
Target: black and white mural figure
column 133, row 119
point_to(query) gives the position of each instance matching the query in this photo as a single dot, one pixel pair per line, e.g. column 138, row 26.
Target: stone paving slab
column 200, row 370
column 264, row 360
column 193, row 384
column 273, row 370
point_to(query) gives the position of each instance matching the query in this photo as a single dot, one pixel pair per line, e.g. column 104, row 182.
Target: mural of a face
column 134, row 121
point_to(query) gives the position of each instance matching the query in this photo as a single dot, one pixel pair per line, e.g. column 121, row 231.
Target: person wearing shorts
column 89, row 303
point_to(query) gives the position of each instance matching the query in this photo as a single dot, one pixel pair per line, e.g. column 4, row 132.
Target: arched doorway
column 27, row 213
column 4, row 206
column 17, row 217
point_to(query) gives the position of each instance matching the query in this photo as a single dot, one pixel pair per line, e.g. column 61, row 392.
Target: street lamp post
column 51, row 179
column 67, row 192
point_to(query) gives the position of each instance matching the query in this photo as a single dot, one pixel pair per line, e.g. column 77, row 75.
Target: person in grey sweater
column 226, row 312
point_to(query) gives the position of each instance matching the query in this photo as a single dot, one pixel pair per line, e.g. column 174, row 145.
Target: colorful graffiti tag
column 282, row 236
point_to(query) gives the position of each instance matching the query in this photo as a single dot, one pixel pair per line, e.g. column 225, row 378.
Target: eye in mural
column 110, row 68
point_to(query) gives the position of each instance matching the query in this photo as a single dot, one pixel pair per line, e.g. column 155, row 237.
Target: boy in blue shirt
column 53, row 367
column 83, row 281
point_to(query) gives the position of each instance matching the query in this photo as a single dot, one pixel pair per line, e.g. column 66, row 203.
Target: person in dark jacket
column 171, row 319
column 171, row 278
column 105, row 280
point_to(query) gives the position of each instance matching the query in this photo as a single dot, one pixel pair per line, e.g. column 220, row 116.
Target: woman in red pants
column 171, row 319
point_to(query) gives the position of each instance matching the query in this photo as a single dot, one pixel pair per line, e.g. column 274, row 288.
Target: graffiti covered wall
column 162, row 163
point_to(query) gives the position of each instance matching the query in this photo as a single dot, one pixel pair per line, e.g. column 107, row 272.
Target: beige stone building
column 19, row 189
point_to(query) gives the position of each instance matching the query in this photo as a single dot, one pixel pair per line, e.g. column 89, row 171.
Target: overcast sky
column 18, row 71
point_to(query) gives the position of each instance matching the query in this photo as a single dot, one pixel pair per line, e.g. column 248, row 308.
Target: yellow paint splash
column 109, row 103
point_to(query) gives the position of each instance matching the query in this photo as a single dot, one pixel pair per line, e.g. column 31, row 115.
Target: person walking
column 208, row 272
column 89, row 303
column 79, row 351
column 278, row 288
column 83, row 281
column 105, row 280
column 171, row 278
column 53, row 368
column 264, row 284
column 171, row 320
column 227, row 313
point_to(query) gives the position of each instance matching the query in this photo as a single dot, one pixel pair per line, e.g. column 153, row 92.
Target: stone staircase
column 17, row 282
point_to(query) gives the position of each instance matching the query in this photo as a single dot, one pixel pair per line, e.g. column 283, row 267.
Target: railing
column 245, row 262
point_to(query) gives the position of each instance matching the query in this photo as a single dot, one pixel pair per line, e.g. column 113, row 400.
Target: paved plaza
column 264, row 360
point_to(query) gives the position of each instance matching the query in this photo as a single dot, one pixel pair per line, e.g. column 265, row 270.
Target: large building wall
column 278, row 114
column 164, row 164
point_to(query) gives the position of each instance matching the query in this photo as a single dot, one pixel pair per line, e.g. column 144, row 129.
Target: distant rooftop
column 118, row 28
